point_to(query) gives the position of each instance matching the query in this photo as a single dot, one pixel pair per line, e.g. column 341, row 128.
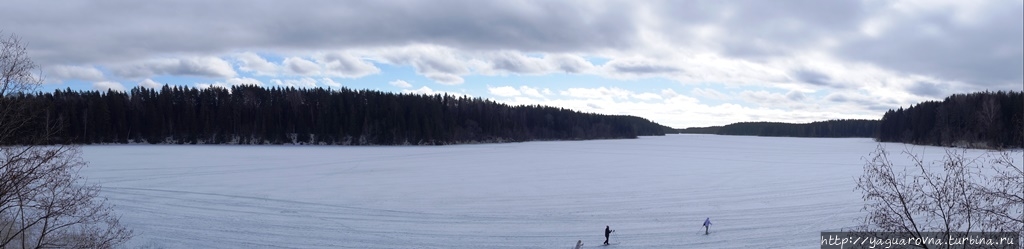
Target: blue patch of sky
column 72, row 84
column 597, row 61
column 270, row 57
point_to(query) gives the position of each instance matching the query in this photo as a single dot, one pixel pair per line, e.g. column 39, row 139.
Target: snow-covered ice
column 654, row 191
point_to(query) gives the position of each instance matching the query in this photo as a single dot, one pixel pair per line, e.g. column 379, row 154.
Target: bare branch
column 43, row 204
column 964, row 195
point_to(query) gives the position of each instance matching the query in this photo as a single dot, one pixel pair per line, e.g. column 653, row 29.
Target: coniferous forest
column 831, row 128
column 976, row 120
column 256, row 115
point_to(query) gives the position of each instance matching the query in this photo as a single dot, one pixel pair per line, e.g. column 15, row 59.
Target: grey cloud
column 301, row 66
column 517, row 63
column 986, row 51
column 251, row 62
column 869, row 103
column 927, row 89
column 764, row 98
column 795, row 96
column 445, row 78
column 978, row 44
column 203, row 67
column 640, row 67
column 61, row 72
column 124, row 30
column 813, row 77
column 427, row 60
column 839, row 98
column 348, row 66
column 569, row 63
column 434, row 65
column 764, row 28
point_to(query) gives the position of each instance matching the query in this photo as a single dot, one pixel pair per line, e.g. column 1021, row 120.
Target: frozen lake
column 654, row 191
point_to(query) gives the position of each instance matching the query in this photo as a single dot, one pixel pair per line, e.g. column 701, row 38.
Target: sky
column 678, row 63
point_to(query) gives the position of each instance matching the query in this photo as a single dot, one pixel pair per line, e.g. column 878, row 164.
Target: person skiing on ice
column 707, row 224
column 607, row 231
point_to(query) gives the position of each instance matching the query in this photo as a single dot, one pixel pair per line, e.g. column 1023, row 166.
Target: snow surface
column 654, row 191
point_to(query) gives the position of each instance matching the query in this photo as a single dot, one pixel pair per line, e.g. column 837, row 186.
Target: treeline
column 831, row 128
column 256, row 115
column 699, row 130
column 976, row 120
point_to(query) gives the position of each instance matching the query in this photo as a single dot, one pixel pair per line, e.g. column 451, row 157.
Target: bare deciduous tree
column 16, row 77
column 1003, row 194
column 43, row 201
column 951, row 195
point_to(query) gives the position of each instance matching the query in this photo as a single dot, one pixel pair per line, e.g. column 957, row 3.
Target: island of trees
column 257, row 115
column 831, row 128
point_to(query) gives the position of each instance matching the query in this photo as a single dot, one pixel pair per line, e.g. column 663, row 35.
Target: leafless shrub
column 43, row 201
column 1003, row 193
column 954, row 194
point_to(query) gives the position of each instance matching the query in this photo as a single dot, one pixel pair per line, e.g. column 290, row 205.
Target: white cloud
column 329, row 83
column 204, row 86
column 531, row 92
column 400, row 84
column 441, row 64
column 251, row 62
column 504, row 91
column 646, row 96
column 445, row 79
column 678, row 110
column 227, row 84
column 192, row 66
column 108, row 85
column 345, row 65
column 305, row 82
column 61, row 73
column 598, row 93
column 764, row 98
column 709, row 94
column 426, row 90
column 149, row 83
column 244, row 81
column 609, row 93
column 446, row 65
column 522, row 91
column 334, row 64
column 422, row 90
column 300, row 66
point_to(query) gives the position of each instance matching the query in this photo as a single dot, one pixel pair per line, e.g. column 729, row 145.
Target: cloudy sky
column 678, row 63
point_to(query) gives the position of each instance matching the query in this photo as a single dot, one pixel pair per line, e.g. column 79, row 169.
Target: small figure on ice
column 579, row 244
column 607, row 231
column 707, row 225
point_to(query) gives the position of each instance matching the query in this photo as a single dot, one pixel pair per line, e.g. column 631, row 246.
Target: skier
column 607, row 231
column 707, row 224
column 579, row 244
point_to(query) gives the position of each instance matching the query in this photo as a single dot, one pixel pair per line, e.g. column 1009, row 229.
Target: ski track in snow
column 654, row 191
